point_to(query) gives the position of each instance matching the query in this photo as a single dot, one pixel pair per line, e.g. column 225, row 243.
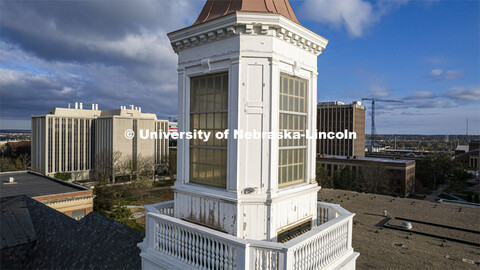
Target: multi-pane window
column 208, row 112
column 293, row 118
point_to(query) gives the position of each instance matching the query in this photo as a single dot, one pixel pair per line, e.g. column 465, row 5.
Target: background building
column 335, row 117
column 471, row 156
column 78, row 140
column 398, row 175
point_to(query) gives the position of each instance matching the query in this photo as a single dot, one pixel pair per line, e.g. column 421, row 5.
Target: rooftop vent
column 406, row 225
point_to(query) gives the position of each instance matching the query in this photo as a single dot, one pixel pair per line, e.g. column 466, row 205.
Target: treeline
column 15, row 156
column 435, row 170
column 371, row 179
column 430, row 173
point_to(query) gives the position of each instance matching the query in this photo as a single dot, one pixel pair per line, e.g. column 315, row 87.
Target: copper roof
column 217, row 8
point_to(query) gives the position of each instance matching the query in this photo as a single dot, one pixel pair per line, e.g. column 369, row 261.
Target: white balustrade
column 204, row 248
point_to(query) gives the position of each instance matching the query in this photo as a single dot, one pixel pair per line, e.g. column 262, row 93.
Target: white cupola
column 247, row 66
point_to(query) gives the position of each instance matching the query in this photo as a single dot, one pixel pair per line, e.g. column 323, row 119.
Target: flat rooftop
column 381, row 248
column 371, row 159
column 34, row 185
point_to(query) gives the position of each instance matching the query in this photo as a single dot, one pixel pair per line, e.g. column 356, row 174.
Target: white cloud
column 55, row 53
column 421, row 95
column 378, row 92
column 464, row 95
column 439, row 74
column 354, row 15
column 436, row 72
column 453, row 74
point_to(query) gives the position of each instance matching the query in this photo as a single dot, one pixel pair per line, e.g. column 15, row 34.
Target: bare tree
column 116, row 164
column 107, row 165
column 374, row 179
column 24, row 160
column 134, row 167
column 150, row 167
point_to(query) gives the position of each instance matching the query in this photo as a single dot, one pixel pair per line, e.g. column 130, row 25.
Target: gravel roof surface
column 377, row 245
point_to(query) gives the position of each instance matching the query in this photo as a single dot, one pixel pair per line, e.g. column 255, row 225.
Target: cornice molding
column 241, row 23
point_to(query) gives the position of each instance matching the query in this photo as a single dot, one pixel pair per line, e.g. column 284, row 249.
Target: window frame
column 303, row 147
column 224, row 115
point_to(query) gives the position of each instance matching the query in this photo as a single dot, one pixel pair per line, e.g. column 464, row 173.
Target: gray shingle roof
column 94, row 242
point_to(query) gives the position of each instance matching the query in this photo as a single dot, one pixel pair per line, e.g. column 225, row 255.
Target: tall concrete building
column 337, row 117
column 71, row 139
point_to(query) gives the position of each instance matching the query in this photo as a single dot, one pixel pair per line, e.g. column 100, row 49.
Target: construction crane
column 373, row 100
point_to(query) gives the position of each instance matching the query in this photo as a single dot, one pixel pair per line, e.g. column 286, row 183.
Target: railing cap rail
column 199, row 229
column 322, row 229
column 344, row 216
column 153, row 208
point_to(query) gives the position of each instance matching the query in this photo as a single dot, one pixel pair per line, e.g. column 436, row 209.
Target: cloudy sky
column 115, row 53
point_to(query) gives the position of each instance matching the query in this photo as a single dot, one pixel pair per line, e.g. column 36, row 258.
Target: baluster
column 300, row 258
column 297, row 259
column 190, row 248
column 234, row 258
column 315, row 254
column 195, row 250
column 167, row 239
column 308, row 261
column 229, row 258
column 204, row 252
column 175, row 242
column 156, row 234
column 201, row 251
column 180, row 243
column 217, row 262
column 259, row 259
column 161, row 231
column 172, row 240
column 185, row 246
column 162, row 235
column 325, row 244
column 309, row 255
column 304, row 256
column 276, row 260
column 222, row 258
column 318, row 254
column 267, row 258
column 210, row 257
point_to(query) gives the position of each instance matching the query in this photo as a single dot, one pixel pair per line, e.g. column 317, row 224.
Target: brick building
column 73, row 200
column 401, row 172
